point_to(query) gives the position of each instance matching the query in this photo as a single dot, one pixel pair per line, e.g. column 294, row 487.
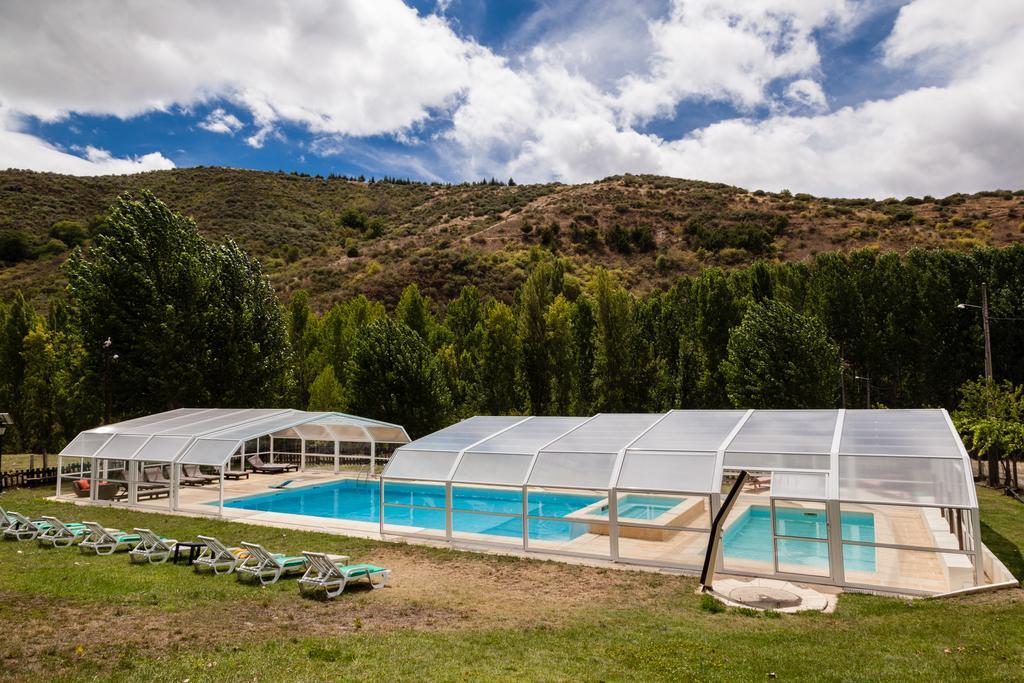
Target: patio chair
column 59, row 534
column 22, row 528
column 218, row 557
column 330, row 575
column 154, row 474
column 267, row 567
column 151, row 548
column 7, row 520
column 260, row 467
column 192, row 473
column 103, row 541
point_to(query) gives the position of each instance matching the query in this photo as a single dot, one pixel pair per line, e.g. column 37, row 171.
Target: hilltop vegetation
column 335, row 237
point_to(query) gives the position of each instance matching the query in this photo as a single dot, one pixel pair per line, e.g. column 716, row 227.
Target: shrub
column 617, row 239
column 71, row 233
column 14, row 246
column 708, row 603
column 352, row 252
column 353, row 218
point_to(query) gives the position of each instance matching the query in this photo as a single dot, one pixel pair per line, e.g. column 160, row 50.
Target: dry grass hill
column 336, row 237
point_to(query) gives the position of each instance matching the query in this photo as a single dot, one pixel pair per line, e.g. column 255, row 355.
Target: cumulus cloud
column 574, row 105
column 220, row 121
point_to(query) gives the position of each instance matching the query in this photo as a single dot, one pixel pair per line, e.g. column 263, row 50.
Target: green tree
column 499, row 381
column 414, row 312
column 16, row 324
column 558, row 324
column 536, row 294
column 615, row 361
column 582, row 369
column 778, row 358
column 326, row 392
column 394, row 378
column 990, row 418
column 191, row 323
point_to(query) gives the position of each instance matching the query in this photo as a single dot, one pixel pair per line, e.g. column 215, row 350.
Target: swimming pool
column 360, row 502
column 750, row 538
column 640, row 507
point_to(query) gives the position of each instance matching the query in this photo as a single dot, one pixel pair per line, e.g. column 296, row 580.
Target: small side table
column 194, row 549
column 236, row 475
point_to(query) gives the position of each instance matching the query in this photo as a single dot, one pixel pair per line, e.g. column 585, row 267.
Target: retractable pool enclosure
column 872, row 499
column 146, row 461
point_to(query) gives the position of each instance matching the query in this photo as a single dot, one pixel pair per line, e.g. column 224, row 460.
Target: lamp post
column 108, row 358
column 867, row 387
column 5, row 419
column 984, row 327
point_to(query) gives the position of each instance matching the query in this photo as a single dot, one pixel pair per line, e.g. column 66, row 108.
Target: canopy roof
column 871, row 456
column 210, row 436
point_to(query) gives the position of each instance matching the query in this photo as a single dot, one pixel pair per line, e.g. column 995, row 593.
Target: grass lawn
column 457, row 616
column 21, row 461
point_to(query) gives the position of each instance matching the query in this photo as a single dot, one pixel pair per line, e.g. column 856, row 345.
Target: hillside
column 336, row 237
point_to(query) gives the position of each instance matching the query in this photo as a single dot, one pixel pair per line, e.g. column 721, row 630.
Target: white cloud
column 572, row 107
column 807, row 93
column 20, row 150
column 220, row 121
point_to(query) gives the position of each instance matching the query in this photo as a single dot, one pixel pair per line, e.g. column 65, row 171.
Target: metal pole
column 337, row 467
column 220, row 505
column 302, row 455
column 373, row 458
column 984, row 324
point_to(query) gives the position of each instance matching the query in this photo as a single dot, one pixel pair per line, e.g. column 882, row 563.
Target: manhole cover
column 764, row 597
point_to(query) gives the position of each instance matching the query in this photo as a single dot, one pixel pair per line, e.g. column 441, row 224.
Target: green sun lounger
column 328, row 576
column 267, row 567
column 102, row 541
column 151, row 548
column 61, row 535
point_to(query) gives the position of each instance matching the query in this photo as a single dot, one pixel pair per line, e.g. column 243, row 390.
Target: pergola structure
column 871, row 499
column 149, row 458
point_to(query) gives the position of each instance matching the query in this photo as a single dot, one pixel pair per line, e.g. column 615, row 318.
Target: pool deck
column 900, row 569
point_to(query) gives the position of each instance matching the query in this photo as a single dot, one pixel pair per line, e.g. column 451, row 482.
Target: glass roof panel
column 162, row 448
column 690, row 430
column 527, row 437
column 209, row 452
column 898, row 432
column 922, row 481
column 668, row 471
column 575, row 469
column 86, row 444
column 383, row 434
column 410, row 463
column 506, row 457
column 139, row 422
column 786, row 431
column 121, row 447
column 605, row 433
column 464, row 434
column 799, row 485
column 225, row 420
column 769, row 461
column 264, row 426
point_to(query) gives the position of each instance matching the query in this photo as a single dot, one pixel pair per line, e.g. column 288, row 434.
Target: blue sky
column 827, row 96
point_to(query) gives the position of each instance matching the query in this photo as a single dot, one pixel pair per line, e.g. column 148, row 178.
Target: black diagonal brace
column 711, row 557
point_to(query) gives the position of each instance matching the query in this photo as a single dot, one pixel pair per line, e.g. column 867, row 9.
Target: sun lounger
column 267, row 567
column 329, row 575
column 59, row 534
column 7, row 519
column 218, row 557
column 192, row 474
column 151, row 548
column 24, row 529
column 102, row 541
column 257, row 464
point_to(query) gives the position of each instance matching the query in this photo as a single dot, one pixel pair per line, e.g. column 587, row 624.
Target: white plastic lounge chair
column 218, row 557
column 102, row 541
column 23, row 528
column 268, row 567
column 330, row 575
column 5, row 521
column 59, row 534
column 151, row 548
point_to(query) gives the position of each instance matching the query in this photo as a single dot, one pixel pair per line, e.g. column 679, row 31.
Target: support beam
column 707, row 574
column 337, row 451
column 220, row 486
column 302, row 455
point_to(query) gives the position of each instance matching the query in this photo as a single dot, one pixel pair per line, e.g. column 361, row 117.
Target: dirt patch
column 451, row 593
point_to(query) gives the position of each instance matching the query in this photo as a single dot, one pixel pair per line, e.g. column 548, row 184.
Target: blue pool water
column 750, row 538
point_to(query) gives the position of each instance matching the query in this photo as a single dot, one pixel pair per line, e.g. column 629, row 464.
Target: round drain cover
column 764, row 597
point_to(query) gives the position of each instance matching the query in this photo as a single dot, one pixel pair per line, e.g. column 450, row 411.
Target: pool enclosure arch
column 148, row 459
column 865, row 499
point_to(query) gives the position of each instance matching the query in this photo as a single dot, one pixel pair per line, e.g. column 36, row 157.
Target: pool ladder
column 364, row 475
